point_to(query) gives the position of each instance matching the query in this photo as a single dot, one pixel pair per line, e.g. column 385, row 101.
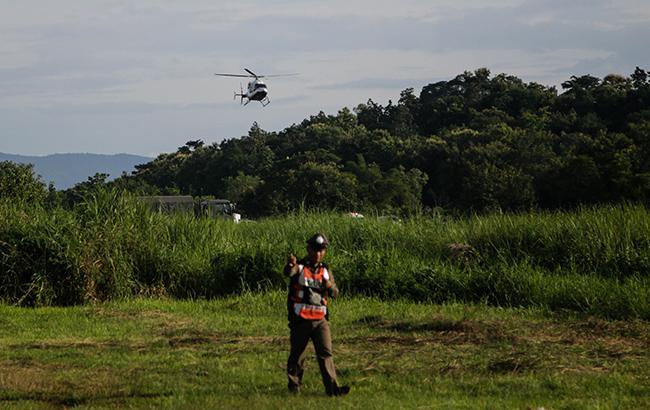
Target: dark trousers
column 319, row 333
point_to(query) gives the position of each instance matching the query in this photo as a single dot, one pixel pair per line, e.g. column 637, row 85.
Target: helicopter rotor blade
column 253, row 74
column 283, row 75
column 233, row 75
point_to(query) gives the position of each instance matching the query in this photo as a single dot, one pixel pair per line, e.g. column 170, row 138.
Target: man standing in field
column 310, row 282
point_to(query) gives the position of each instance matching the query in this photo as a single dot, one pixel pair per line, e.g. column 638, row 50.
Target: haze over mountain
column 66, row 170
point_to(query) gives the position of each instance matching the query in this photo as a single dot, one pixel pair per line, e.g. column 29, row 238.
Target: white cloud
column 634, row 11
column 243, row 10
column 599, row 14
column 138, row 77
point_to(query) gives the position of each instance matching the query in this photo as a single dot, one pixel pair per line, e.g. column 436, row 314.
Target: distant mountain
column 66, row 170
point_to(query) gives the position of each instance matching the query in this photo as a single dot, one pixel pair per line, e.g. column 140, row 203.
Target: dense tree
column 241, row 188
column 81, row 190
column 474, row 142
column 19, row 182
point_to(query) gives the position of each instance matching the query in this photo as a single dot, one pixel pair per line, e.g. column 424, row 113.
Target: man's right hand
column 290, row 268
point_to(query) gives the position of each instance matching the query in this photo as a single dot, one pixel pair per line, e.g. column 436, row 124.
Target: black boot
column 339, row 391
column 294, row 389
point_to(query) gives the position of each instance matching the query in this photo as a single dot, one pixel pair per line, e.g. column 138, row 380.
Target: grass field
column 231, row 353
column 112, row 305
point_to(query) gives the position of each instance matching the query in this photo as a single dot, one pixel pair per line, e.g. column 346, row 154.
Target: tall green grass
column 594, row 260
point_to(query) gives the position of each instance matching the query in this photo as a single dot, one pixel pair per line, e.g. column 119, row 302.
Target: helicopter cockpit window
column 260, row 85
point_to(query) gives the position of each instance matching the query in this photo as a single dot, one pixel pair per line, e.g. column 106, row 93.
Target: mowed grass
column 231, row 353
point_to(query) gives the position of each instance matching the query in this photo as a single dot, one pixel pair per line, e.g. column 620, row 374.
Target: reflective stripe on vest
column 309, row 312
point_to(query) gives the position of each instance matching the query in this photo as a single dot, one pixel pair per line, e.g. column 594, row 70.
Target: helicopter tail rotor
column 239, row 94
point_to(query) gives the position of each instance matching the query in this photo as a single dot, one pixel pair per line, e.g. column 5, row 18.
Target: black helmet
column 318, row 242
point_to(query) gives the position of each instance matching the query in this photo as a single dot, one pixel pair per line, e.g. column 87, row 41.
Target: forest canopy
column 473, row 143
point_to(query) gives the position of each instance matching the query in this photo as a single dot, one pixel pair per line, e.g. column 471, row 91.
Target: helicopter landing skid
column 265, row 101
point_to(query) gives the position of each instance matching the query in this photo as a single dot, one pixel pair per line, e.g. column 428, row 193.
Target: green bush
column 109, row 246
column 36, row 267
column 19, row 183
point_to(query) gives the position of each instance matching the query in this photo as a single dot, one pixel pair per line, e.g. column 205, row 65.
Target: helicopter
column 256, row 89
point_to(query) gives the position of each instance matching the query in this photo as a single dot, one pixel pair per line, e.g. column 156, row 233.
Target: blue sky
column 116, row 76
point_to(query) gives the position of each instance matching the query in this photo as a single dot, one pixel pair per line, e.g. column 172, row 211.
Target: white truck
column 219, row 208
column 214, row 208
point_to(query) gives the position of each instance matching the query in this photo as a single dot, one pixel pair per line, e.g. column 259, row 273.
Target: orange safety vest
column 308, row 293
